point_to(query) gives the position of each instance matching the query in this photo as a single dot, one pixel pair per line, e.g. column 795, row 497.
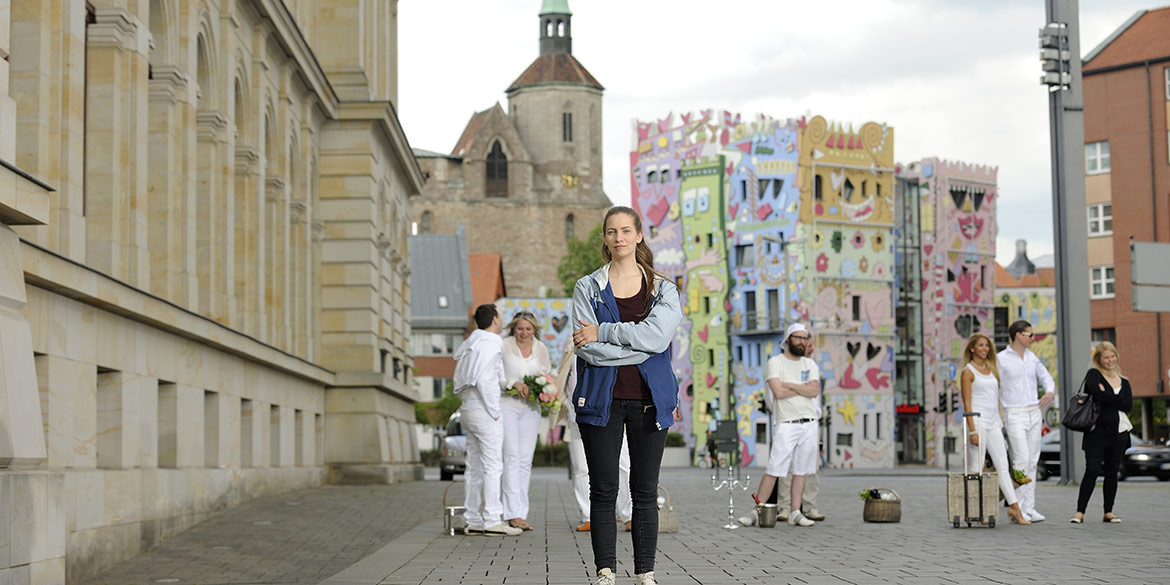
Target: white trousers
column 1023, row 431
column 521, row 426
column 991, row 442
column 625, row 504
column 485, row 464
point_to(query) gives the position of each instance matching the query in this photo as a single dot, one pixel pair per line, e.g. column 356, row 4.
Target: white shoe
column 606, row 577
column 798, row 518
column 750, row 519
column 646, row 578
column 473, row 530
column 502, row 529
column 1035, row 516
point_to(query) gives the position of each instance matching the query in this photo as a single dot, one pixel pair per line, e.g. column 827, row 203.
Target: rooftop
column 1144, row 37
column 441, row 286
column 557, row 69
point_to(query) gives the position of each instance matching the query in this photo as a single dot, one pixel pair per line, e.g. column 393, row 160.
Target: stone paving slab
column 922, row 548
column 297, row 538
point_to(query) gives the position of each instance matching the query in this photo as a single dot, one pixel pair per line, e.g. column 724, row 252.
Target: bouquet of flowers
column 542, row 391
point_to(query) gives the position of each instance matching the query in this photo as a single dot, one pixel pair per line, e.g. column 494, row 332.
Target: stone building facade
column 204, row 275
column 524, row 181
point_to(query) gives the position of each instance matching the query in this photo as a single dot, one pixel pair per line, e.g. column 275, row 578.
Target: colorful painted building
column 955, row 281
column 764, row 223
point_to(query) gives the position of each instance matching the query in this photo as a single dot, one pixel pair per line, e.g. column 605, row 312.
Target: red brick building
column 1127, row 163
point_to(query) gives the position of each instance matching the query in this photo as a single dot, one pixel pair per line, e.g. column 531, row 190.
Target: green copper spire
column 554, row 7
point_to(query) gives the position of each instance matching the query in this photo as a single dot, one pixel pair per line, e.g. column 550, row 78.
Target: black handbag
column 1082, row 411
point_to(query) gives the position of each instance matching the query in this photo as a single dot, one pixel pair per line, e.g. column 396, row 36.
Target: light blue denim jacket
column 645, row 344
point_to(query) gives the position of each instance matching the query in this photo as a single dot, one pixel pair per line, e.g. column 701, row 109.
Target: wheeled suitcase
column 972, row 497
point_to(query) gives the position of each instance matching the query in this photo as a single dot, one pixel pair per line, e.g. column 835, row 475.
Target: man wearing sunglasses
column 1021, row 373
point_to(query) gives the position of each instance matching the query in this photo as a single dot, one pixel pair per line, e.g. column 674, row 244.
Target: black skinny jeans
column 1102, row 456
column 603, row 446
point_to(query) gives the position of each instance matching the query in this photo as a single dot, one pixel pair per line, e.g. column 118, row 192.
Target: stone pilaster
column 299, row 248
column 213, row 242
column 168, row 198
column 250, row 238
column 276, row 257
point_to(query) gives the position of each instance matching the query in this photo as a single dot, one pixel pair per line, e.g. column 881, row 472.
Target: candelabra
column 731, row 482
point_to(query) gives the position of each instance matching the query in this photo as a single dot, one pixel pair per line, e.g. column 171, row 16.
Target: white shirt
column 478, row 368
column 516, row 366
column 1123, row 424
column 790, row 371
column 1019, row 378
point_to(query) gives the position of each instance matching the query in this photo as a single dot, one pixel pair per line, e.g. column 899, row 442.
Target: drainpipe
column 1154, row 210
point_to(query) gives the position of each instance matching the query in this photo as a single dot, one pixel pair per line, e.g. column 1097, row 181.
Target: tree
column 582, row 259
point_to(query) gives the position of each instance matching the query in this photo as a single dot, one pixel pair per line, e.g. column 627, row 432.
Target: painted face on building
column 968, row 201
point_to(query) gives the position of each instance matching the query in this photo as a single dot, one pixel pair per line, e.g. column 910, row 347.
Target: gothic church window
column 496, row 184
column 569, row 227
column 425, row 225
column 567, row 127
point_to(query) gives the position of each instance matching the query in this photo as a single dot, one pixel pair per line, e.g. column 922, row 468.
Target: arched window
column 560, row 28
column 569, row 227
column 496, row 184
column 425, row 225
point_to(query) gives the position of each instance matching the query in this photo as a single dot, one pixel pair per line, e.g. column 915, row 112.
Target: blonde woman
column 1106, row 443
column 979, row 387
column 524, row 355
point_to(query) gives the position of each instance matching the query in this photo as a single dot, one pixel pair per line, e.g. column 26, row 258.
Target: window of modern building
column 496, row 184
column 439, row 387
column 567, row 127
column 1104, row 334
column 1166, row 73
column 429, row 344
column 745, row 255
column 1101, row 282
column 1101, row 219
column 1097, row 157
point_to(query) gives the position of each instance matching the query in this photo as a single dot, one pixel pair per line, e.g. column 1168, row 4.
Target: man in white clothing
column 567, row 381
column 479, row 373
column 793, row 380
column 1021, row 373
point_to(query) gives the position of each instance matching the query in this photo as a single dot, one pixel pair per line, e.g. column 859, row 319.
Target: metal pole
column 1070, row 230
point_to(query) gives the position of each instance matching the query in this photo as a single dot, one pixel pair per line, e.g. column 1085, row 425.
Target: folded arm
column 599, row 353
column 652, row 334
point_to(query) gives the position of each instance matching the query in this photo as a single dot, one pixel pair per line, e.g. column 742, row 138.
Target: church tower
column 526, row 179
column 556, row 107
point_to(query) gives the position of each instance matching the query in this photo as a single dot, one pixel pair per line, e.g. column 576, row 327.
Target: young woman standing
column 979, row 387
column 524, row 355
column 625, row 318
column 1106, row 443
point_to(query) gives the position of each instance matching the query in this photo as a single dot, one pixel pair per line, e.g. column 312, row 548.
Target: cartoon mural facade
column 553, row 314
column 765, row 242
column 957, row 210
column 1037, row 305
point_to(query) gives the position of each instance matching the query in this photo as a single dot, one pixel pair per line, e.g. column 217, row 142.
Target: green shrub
column 436, row 413
column 430, row 457
column 675, row 440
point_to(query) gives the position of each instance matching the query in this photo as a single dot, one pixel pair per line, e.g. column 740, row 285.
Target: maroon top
column 629, row 384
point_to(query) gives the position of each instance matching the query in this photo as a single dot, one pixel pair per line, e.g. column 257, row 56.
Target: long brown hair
column 969, row 352
column 642, row 252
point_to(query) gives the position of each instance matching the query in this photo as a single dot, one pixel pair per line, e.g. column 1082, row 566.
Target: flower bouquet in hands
column 542, row 391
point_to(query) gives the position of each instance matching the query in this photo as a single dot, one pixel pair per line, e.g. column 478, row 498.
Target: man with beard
column 793, row 380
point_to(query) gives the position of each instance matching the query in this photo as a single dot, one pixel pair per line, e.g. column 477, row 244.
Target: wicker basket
column 667, row 517
column 883, row 510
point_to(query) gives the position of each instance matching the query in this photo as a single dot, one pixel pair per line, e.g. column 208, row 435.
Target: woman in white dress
column 979, row 387
column 524, row 355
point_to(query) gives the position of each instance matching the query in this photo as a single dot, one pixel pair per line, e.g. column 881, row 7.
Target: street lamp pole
column 1060, row 55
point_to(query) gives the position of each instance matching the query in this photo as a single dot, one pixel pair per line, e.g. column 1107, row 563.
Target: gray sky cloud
column 956, row 79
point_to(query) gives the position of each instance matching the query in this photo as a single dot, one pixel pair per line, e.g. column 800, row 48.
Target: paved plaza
column 392, row 535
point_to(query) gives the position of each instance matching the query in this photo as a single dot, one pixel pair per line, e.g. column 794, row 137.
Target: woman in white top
column 979, row 387
column 524, row 355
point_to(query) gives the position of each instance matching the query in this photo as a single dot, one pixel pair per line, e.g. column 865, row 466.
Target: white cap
column 793, row 328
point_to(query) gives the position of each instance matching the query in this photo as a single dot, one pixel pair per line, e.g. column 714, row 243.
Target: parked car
column 1140, row 459
column 453, row 458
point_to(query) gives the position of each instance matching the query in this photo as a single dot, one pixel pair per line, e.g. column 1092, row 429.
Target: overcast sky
column 956, row 79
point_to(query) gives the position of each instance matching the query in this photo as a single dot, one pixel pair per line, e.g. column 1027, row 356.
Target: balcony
column 758, row 323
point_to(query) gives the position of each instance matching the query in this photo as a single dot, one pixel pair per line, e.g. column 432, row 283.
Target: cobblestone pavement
column 296, row 538
column 922, row 548
column 319, row 536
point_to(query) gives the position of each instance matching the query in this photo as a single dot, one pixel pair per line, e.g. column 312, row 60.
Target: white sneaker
column 502, row 529
column 797, row 518
column 1035, row 516
column 606, row 577
column 646, row 578
column 473, row 530
column 750, row 519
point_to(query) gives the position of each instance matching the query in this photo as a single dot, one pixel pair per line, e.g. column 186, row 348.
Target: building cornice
column 290, row 38
column 386, row 118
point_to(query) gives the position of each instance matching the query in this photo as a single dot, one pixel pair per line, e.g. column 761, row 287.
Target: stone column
column 116, row 61
column 299, row 290
column 249, row 234
column 22, row 436
column 167, row 180
column 211, row 243
column 276, row 247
